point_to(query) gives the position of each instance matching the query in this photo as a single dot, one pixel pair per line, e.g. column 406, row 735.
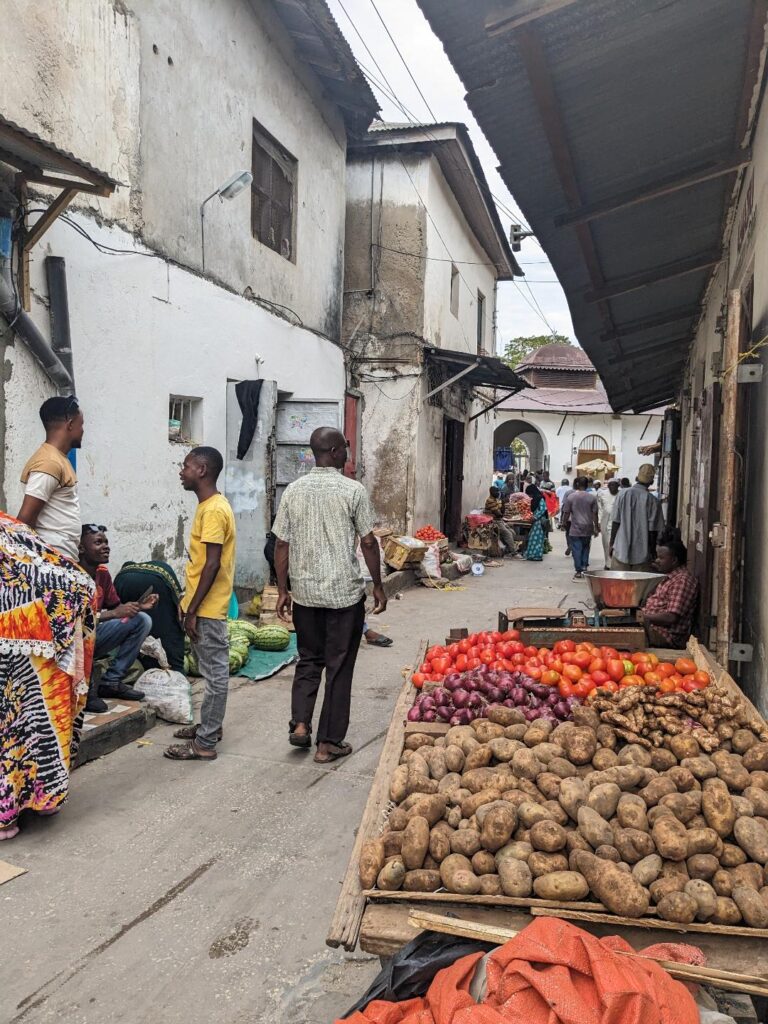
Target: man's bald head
column 329, row 446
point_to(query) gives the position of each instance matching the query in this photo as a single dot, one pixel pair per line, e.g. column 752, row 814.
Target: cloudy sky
column 536, row 307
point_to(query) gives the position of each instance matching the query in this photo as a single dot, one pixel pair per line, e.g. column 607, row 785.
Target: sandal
column 189, row 732
column 299, row 739
column 9, row 833
column 380, row 641
column 326, row 756
column 188, row 752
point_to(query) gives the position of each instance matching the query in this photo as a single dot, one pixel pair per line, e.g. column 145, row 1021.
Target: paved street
column 170, row 893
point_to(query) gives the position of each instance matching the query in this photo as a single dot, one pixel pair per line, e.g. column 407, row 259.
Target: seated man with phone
column 121, row 628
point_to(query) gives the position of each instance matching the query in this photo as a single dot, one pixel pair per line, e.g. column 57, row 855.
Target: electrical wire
column 403, row 60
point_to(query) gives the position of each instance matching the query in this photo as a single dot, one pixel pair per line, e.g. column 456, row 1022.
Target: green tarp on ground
column 262, row 664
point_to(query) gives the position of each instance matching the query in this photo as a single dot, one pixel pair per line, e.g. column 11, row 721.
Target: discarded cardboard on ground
column 9, row 871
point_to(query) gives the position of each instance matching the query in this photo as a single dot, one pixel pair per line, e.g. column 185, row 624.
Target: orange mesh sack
column 552, row 973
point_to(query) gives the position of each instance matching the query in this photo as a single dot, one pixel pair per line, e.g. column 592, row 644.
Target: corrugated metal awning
column 476, row 370
column 620, row 127
column 41, row 162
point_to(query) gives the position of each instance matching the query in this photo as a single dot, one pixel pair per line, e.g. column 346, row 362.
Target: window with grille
column 185, row 419
column 594, row 443
column 480, row 323
column 272, row 193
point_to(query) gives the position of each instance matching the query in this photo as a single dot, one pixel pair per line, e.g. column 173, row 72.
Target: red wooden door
column 352, row 434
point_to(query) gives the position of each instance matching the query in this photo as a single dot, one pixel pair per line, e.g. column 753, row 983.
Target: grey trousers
column 212, row 650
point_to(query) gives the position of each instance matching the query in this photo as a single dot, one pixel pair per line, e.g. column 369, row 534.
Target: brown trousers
column 327, row 638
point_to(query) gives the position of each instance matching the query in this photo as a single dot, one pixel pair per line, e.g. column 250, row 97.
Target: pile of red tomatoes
column 576, row 669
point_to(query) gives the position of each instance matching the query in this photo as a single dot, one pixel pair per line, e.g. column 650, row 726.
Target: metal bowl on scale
column 616, row 589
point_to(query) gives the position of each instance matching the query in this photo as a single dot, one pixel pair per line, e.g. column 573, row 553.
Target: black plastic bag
column 410, row 972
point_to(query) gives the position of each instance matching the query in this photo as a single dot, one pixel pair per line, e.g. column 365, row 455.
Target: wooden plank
column 651, row 922
column 654, row 190
column 705, row 661
column 379, row 896
column 484, row 932
column 347, row 918
column 727, row 481
column 386, row 929
column 665, row 272
column 427, row 728
column 520, row 12
column 38, row 229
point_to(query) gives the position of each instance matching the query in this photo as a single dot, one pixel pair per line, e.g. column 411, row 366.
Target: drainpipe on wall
column 21, row 323
column 58, row 299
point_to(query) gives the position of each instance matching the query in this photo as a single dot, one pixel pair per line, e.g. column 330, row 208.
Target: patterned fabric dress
column 535, row 550
column 47, row 630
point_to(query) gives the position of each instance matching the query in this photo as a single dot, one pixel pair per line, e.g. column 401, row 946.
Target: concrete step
column 125, row 722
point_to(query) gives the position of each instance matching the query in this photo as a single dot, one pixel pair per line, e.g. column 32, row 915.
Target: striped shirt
column 320, row 517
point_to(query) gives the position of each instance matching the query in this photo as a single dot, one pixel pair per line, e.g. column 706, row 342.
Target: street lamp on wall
column 232, row 187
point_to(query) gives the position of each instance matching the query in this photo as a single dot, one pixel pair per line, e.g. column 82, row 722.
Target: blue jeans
column 127, row 637
column 580, row 551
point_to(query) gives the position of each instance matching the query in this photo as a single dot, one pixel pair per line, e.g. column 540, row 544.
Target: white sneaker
column 578, row 576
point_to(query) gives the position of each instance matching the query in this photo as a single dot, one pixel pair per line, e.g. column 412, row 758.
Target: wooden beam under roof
column 674, row 316
column 632, row 282
column 519, row 12
column 654, row 190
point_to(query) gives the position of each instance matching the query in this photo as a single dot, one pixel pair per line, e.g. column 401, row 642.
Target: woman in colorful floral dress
column 534, row 552
column 47, row 627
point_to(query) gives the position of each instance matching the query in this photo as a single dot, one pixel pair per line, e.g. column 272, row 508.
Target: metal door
column 295, row 422
column 453, row 477
column 248, row 486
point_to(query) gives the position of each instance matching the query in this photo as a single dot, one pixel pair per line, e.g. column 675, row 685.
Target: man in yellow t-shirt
column 210, row 579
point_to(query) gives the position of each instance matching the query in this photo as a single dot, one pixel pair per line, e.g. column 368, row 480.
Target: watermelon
column 271, row 638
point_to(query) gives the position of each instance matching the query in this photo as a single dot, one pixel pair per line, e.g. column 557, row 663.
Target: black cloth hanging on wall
column 247, row 392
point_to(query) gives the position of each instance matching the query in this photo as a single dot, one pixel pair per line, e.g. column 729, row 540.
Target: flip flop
column 188, row 732
column 188, row 752
column 9, row 833
column 342, row 750
column 381, row 641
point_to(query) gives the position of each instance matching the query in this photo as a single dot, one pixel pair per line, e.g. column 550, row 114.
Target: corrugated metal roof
column 622, row 94
column 320, row 43
column 558, row 357
column 451, row 144
column 38, row 158
column 590, row 401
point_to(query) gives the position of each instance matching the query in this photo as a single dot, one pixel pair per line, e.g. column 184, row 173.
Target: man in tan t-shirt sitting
column 51, row 505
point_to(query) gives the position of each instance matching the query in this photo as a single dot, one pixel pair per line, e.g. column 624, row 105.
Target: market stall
column 606, row 840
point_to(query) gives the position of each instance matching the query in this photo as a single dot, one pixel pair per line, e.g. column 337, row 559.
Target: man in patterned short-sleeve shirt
column 321, row 515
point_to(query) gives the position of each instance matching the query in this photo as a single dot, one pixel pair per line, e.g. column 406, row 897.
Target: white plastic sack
column 463, row 562
column 430, row 563
column 169, row 693
column 153, row 648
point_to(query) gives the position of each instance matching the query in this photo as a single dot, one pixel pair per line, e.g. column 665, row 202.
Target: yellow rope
column 746, row 355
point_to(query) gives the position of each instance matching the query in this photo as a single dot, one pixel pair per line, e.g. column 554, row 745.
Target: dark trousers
column 327, row 638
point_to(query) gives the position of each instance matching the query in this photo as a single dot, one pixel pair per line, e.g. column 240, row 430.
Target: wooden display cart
column 379, row 920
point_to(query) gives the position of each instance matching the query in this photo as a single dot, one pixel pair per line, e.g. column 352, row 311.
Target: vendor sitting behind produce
column 494, row 506
column 669, row 610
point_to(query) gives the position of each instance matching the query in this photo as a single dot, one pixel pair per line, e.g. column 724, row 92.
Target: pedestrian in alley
column 204, row 606
column 534, row 551
column 606, row 499
column 637, row 520
column 579, row 519
column 47, row 626
column 320, row 517
column 120, row 628
column 51, row 505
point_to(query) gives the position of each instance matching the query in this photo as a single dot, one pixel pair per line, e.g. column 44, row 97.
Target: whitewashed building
column 564, row 419
column 169, row 106
column 425, row 252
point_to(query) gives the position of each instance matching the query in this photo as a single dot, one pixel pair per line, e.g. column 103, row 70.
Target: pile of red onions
column 465, row 696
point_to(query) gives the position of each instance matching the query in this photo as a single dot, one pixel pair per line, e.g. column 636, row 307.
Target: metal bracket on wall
column 749, row 373
column 740, row 652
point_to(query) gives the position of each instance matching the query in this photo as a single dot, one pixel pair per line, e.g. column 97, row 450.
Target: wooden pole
column 727, row 479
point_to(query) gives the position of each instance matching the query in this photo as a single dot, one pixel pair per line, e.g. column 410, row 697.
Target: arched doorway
column 592, row 447
column 526, row 444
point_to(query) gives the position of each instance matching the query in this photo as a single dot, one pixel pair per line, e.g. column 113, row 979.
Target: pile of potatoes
column 559, row 812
